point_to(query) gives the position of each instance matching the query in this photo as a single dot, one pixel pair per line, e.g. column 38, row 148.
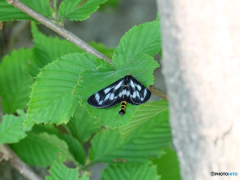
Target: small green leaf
column 168, row 165
column 15, row 82
column 130, row 172
column 78, row 10
column 141, row 68
column 142, row 114
column 142, row 39
column 41, row 6
column 52, row 98
column 59, row 171
column 110, row 3
column 11, row 128
column 82, row 125
column 9, row 12
column 48, row 49
column 144, row 142
column 41, row 150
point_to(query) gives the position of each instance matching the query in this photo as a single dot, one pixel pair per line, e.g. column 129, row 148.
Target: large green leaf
column 9, row 12
column 144, row 113
column 142, row 39
column 130, row 172
column 78, row 10
column 82, row 125
column 41, row 149
column 145, row 141
column 15, row 82
column 52, row 98
column 60, row 172
column 105, row 76
column 11, row 128
column 75, row 147
column 41, row 6
column 48, row 49
column 168, row 165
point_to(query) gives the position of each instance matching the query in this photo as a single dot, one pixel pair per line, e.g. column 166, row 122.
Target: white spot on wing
column 107, row 90
column 112, row 96
column 124, row 92
column 134, row 94
column 119, row 84
column 127, row 93
column 139, row 87
column 132, row 84
column 145, row 93
column 137, row 94
column 100, row 102
column 120, row 94
column 107, row 96
column 97, row 97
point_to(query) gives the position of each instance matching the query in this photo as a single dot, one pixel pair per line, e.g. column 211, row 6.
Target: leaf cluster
column 53, row 81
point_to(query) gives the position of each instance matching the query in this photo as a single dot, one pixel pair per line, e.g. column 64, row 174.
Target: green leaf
column 15, row 82
column 105, row 76
column 11, row 128
column 41, row 6
column 144, row 142
column 52, row 98
column 101, row 48
column 130, row 172
column 48, row 49
column 75, row 147
column 78, row 10
column 59, row 171
column 41, row 150
column 142, row 39
column 110, row 3
column 142, row 114
column 168, row 165
column 9, row 12
column 82, row 125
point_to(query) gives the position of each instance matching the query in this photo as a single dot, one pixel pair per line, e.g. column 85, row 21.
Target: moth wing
column 136, row 92
column 108, row 96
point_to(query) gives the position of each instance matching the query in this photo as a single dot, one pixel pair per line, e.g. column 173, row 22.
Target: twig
column 8, row 155
column 158, row 92
column 72, row 38
column 58, row 29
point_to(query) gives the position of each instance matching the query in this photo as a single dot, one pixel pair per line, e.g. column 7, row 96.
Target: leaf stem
column 72, row 38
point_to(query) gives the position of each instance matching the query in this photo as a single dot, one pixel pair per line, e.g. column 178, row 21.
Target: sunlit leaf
column 15, row 82
column 11, row 128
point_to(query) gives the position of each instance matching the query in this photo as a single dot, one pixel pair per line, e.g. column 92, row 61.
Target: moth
column 125, row 90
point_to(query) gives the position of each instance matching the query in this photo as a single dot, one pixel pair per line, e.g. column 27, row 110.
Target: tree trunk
column 201, row 65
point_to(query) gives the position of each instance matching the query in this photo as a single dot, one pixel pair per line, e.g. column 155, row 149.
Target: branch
column 158, row 92
column 72, row 38
column 8, row 155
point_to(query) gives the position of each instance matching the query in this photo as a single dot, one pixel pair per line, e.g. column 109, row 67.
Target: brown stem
column 8, row 155
column 158, row 92
column 72, row 38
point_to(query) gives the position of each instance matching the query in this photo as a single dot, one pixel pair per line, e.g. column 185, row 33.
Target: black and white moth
column 125, row 90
